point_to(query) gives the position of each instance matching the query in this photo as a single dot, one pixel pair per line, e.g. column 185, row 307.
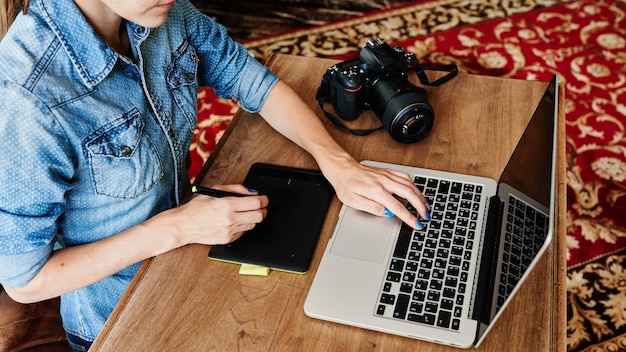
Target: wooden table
column 182, row 301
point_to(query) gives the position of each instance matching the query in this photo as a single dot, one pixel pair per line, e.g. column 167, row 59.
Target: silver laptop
column 449, row 282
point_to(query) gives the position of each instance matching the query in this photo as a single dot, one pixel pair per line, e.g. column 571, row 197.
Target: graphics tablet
column 285, row 240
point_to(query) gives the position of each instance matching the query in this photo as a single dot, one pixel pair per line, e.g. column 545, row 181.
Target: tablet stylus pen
column 214, row 192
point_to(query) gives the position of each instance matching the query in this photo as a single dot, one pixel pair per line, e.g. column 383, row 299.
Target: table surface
column 183, row 301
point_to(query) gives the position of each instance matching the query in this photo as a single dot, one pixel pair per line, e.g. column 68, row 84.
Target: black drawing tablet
column 285, row 240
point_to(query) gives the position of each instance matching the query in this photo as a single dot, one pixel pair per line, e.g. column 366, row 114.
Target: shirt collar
column 92, row 57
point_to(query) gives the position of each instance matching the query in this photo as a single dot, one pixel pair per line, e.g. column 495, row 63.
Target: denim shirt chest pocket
column 184, row 67
column 181, row 78
column 123, row 161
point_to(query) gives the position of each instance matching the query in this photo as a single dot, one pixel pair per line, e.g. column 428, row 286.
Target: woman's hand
column 376, row 190
column 209, row 220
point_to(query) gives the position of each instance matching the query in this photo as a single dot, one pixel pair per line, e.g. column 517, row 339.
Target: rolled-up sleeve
column 19, row 269
column 226, row 65
column 253, row 86
column 33, row 181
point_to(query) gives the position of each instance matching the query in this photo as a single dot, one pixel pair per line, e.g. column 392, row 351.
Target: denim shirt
column 94, row 142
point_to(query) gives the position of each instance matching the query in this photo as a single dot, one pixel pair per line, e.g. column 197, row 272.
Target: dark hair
column 8, row 11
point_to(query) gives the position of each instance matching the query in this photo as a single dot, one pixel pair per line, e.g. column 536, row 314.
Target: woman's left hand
column 376, row 190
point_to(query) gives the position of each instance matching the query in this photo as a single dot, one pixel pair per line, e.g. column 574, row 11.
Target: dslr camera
column 377, row 80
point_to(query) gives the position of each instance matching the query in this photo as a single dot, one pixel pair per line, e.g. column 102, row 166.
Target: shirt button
column 140, row 30
column 126, row 150
column 190, row 76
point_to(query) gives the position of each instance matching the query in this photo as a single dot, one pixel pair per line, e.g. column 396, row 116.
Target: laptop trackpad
column 363, row 236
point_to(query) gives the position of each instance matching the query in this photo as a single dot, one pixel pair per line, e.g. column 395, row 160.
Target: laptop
column 449, row 282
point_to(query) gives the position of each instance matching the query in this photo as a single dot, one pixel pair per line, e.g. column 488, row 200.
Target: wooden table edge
column 560, row 264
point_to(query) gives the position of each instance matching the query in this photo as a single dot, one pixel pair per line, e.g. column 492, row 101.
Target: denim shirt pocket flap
column 184, row 67
column 123, row 161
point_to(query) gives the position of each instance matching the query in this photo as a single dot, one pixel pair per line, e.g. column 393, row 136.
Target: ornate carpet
column 585, row 43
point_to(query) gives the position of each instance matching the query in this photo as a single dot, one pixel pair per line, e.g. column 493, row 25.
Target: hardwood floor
column 248, row 19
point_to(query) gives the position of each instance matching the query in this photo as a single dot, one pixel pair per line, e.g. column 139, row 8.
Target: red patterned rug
column 585, row 43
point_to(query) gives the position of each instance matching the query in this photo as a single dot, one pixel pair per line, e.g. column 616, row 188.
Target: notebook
column 449, row 282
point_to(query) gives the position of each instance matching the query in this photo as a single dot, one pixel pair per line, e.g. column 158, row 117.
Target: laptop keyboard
column 525, row 233
column 427, row 278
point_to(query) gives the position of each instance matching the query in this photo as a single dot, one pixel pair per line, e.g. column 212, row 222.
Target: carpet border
column 369, row 17
column 300, row 41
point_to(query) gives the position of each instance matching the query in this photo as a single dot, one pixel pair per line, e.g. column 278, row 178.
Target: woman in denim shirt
column 97, row 112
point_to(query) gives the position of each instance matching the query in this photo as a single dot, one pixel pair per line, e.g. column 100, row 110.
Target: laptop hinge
column 483, row 294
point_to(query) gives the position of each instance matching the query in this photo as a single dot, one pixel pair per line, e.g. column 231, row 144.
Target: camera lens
column 412, row 123
column 403, row 109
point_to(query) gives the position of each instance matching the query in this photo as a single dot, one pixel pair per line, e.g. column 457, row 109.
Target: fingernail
column 427, row 218
column 388, row 213
column 252, row 190
column 419, row 225
column 428, row 206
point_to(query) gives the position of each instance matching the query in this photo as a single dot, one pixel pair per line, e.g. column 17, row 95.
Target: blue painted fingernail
column 427, row 218
column 252, row 190
column 419, row 225
column 428, row 206
column 388, row 213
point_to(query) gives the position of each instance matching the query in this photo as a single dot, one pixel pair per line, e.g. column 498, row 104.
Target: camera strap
column 420, row 71
column 323, row 92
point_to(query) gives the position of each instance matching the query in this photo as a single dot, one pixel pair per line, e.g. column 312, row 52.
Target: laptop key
column 403, row 242
column 428, row 319
column 444, row 186
column 387, row 299
column 421, row 285
column 431, row 307
column 394, row 276
column 457, row 312
column 416, row 307
column 406, row 287
column 401, row 307
column 396, row 265
column 419, row 296
column 443, row 320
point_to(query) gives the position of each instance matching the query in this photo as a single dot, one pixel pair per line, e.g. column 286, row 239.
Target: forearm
column 287, row 113
column 72, row 268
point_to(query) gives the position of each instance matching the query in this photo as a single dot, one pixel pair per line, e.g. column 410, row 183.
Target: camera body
column 377, row 80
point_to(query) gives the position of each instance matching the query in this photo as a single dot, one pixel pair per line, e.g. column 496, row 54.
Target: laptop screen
column 516, row 234
column 529, row 169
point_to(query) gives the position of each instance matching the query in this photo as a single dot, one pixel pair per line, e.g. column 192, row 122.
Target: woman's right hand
column 208, row 220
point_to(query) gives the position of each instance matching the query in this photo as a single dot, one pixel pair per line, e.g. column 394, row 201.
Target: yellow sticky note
column 250, row 269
